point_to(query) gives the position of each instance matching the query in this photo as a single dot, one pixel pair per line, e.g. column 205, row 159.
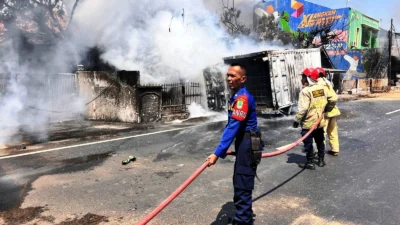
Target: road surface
column 85, row 183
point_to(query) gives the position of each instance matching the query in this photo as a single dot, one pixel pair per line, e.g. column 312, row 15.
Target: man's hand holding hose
column 212, row 159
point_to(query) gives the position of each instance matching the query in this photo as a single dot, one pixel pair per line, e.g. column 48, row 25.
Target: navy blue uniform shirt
column 241, row 117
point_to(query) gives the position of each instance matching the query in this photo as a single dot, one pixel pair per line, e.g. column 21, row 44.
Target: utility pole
column 183, row 16
column 233, row 12
column 390, row 36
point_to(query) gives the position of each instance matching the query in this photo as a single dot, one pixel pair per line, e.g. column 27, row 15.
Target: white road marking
column 393, row 112
column 94, row 143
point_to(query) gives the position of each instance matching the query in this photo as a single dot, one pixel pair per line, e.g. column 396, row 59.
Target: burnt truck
column 273, row 78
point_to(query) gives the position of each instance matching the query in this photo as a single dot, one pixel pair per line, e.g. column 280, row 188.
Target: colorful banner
column 320, row 19
column 303, row 18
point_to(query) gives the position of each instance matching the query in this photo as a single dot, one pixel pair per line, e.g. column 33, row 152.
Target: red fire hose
column 185, row 184
column 173, row 195
column 288, row 147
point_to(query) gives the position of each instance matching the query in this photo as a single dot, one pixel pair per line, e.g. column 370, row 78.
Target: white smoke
column 9, row 123
column 167, row 41
column 156, row 37
column 246, row 8
column 12, row 98
column 27, row 103
column 196, row 111
column 31, row 93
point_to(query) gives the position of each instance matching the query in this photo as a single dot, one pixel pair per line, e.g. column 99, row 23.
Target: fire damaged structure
column 272, row 78
column 110, row 96
column 119, row 96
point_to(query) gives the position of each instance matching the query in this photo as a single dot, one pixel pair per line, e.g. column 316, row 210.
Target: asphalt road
column 88, row 185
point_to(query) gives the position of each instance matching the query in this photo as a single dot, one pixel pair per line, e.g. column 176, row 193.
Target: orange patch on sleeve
column 240, row 108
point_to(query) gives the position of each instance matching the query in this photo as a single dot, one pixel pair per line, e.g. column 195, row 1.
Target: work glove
column 295, row 124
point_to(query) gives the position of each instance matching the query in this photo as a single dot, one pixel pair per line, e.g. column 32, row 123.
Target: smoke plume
column 32, row 93
column 167, row 41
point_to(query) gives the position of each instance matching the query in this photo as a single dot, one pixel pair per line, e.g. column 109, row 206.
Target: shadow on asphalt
column 227, row 211
column 17, row 189
column 277, row 187
column 296, row 158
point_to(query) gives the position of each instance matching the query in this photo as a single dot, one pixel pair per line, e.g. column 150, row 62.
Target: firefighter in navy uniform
column 242, row 126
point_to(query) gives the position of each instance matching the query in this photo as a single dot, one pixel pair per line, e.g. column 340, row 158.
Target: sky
column 382, row 10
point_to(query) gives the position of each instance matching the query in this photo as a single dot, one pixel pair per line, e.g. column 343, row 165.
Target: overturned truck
column 272, row 78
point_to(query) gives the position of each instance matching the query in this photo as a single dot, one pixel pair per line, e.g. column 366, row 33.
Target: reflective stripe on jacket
column 335, row 111
column 312, row 103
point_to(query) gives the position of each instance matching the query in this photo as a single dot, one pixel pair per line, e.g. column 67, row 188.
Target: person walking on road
column 313, row 102
column 242, row 126
column 331, row 128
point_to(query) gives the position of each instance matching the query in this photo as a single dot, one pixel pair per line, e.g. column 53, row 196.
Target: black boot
column 310, row 162
column 321, row 161
column 234, row 222
column 315, row 157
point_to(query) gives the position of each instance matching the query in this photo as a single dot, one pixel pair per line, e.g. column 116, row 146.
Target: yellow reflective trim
column 318, row 93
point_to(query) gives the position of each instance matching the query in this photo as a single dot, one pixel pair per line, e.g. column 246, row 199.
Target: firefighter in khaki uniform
column 313, row 102
column 331, row 128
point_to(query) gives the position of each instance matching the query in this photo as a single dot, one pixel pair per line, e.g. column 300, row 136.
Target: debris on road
column 130, row 159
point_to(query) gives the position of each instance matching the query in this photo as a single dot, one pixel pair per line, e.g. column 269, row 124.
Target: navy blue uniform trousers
column 318, row 135
column 243, row 181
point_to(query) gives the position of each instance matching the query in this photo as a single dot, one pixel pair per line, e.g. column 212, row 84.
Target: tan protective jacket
column 335, row 111
column 312, row 103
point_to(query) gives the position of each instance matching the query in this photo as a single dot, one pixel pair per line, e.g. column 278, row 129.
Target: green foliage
column 268, row 30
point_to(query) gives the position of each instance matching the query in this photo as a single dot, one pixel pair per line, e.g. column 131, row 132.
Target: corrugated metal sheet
column 50, row 94
column 62, row 90
column 286, row 67
column 273, row 77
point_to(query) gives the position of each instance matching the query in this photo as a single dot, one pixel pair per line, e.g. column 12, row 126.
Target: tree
column 230, row 19
column 45, row 18
column 268, row 29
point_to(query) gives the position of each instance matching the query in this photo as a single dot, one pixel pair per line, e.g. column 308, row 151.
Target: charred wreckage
column 272, row 78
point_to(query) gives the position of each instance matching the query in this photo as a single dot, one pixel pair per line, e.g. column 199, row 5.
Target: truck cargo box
column 273, row 77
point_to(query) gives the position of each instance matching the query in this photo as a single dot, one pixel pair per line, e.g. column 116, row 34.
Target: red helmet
column 321, row 71
column 307, row 71
column 313, row 74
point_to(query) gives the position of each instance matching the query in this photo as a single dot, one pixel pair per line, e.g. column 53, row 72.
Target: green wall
column 363, row 31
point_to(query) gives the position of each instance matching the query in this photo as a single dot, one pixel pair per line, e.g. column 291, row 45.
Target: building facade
column 363, row 31
column 354, row 41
